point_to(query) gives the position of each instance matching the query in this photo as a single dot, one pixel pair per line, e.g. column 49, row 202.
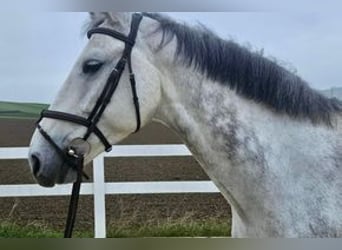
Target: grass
column 164, row 228
column 10, row 229
column 33, row 230
column 172, row 228
column 21, row 110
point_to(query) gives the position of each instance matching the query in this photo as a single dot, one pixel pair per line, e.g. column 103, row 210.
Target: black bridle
column 70, row 154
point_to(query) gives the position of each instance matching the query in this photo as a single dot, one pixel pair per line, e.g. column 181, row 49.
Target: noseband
column 70, row 154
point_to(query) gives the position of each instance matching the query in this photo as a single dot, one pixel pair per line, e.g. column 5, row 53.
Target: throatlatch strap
column 113, row 79
column 134, row 93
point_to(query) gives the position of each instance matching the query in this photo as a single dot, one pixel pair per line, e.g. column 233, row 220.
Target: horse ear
column 97, row 17
column 121, row 18
column 113, row 18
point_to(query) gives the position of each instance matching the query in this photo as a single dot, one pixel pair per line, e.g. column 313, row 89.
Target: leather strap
column 112, row 33
column 57, row 115
column 73, row 203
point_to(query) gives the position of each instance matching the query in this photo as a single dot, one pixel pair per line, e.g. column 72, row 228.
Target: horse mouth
column 45, row 181
column 65, row 174
column 65, row 177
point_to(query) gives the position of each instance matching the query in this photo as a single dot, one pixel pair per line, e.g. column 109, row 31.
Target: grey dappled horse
column 270, row 143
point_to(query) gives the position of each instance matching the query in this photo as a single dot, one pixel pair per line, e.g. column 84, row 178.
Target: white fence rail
column 99, row 188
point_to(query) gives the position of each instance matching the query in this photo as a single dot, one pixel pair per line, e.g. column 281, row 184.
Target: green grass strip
column 34, row 230
column 167, row 228
column 209, row 228
column 18, row 110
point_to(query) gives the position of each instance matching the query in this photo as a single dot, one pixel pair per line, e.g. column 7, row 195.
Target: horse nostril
column 35, row 164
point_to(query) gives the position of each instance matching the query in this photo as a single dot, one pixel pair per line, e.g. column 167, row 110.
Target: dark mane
column 248, row 73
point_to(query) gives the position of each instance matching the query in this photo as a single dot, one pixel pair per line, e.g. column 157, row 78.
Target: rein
column 73, row 203
column 73, row 155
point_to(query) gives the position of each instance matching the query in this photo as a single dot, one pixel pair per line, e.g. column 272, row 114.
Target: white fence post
column 99, row 197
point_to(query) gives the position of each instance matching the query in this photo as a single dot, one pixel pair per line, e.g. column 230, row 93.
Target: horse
column 268, row 141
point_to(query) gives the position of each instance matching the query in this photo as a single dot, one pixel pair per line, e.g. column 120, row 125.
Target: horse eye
column 91, row 66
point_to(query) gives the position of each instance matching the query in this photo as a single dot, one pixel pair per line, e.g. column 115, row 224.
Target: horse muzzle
column 49, row 168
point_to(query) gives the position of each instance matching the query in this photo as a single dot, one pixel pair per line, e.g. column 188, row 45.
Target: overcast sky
column 38, row 49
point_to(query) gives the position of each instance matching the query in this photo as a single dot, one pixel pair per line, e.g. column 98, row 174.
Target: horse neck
column 209, row 117
column 255, row 156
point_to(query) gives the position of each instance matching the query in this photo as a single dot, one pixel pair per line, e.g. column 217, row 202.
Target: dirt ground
column 133, row 209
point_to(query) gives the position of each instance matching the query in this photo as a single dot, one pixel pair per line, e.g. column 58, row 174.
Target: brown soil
column 132, row 209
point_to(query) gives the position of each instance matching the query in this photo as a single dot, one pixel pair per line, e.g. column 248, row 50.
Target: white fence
column 99, row 188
